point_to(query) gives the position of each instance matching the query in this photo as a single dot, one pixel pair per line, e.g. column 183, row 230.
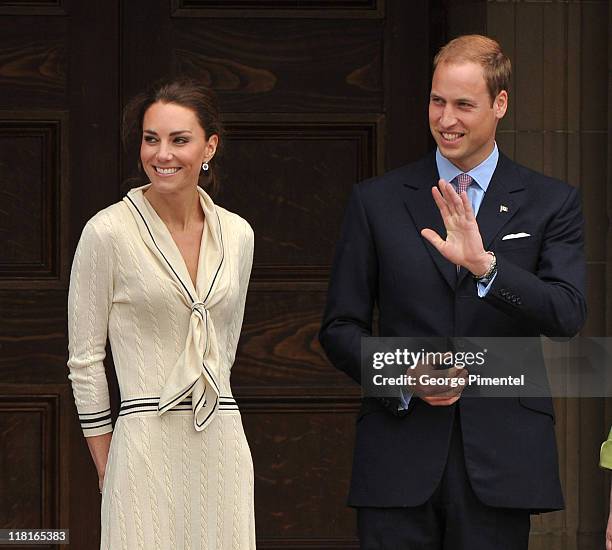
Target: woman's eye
column 181, row 140
column 149, row 139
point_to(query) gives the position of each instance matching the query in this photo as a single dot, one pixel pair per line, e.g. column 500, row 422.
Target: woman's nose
column 164, row 153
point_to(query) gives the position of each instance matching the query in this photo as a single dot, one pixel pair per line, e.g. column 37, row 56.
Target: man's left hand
column 463, row 245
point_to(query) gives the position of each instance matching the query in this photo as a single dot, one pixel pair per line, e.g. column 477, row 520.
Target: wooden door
column 316, row 96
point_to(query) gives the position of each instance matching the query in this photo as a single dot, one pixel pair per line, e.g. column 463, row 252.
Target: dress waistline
column 150, row 405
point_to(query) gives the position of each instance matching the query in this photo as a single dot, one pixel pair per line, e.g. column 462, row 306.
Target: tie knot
column 199, row 309
column 463, row 181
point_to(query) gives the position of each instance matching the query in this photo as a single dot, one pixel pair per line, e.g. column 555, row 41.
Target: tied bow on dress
column 196, row 371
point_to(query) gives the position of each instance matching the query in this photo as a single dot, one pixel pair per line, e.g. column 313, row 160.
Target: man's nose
column 448, row 118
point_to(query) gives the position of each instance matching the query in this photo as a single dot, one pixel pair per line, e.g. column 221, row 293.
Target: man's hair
column 484, row 51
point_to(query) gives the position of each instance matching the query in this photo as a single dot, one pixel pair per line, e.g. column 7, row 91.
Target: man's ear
column 500, row 105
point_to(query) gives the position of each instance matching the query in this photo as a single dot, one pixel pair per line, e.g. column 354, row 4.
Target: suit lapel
column 425, row 214
column 503, row 199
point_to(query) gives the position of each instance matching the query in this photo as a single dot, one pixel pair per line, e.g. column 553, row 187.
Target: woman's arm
column 98, row 447
column 89, row 304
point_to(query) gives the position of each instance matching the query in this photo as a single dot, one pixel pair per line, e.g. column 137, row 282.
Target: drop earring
column 205, row 167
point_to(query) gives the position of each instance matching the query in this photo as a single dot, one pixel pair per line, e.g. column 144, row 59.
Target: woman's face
column 173, row 147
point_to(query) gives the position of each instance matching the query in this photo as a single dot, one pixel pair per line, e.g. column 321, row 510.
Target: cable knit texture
column 179, row 473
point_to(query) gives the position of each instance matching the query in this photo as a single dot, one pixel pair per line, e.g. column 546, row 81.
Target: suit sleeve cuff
column 405, row 397
column 483, row 287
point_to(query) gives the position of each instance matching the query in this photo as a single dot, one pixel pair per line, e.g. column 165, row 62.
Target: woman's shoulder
column 234, row 223
column 108, row 221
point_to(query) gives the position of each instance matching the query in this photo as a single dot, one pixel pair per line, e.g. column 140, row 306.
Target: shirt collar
column 481, row 174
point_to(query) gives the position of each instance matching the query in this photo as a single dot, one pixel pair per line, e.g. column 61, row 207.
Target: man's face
column 461, row 117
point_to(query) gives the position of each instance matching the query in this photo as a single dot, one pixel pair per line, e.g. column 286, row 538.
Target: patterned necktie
column 462, row 182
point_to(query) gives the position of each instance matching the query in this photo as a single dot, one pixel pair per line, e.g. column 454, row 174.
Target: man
column 494, row 250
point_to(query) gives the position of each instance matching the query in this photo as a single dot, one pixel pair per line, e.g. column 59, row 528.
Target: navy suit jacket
column 382, row 261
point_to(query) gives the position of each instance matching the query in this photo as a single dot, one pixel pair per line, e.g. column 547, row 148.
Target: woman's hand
column 99, row 445
column 100, row 481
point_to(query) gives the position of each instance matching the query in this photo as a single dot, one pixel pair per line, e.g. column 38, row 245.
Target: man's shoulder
column 414, row 173
column 537, row 182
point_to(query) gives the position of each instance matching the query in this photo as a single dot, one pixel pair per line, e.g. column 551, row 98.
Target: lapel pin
column 503, row 208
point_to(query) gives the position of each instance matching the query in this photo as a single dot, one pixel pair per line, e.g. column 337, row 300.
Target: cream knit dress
column 179, row 473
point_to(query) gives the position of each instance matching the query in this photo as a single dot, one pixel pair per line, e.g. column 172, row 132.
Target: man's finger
column 467, row 207
column 442, row 204
column 434, row 239
column 454, row 200
column 449, row 194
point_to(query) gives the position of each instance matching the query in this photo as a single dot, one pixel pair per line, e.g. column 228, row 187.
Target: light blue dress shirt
column 481, row 175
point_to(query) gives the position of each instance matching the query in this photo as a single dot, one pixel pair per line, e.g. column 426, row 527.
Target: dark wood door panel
column 290, row 9
column 284, row 65
column 290, row 177
column 34, row 427
column 279, row 346
column 33, row 62
column 33, row 336
column 302, row 457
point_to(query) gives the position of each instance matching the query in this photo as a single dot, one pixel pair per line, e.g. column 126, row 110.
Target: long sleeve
column 246, row 264
column 244, row 253
column 352, row 291
column 553, row 298
column 89, row 303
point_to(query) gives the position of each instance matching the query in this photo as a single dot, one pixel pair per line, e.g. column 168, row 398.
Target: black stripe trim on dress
column 156, row 246
column 207, row 334
column 139, row 399
column 93, row 420
column 226, row 403
column 147, row 401
column 178, row 397
column 143, row 404
column 203, row 396
column 211, row 377
column 103, row 425
column 208, row 415
column 105, row 411
column 149, row 404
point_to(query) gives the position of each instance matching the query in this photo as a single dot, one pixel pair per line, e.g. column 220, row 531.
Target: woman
column 164, row 273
